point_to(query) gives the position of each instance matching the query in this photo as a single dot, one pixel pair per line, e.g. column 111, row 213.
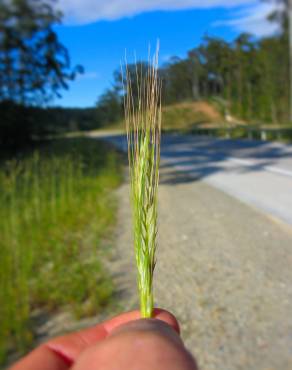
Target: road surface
column 224, row 264
column 255, row 172
column 258, row 173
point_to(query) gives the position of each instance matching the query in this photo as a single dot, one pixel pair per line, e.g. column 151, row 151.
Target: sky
column 97, row 33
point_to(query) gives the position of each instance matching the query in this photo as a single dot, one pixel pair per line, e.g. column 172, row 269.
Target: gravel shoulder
column 223, row 268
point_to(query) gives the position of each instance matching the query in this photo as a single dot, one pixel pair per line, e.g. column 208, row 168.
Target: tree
column 280, row 14
column 250, row 76
column 34, row 65
column 178, row 78
column 135, row 73
column 216, row 59
column 196, row 72
column 283, row 16
column 109, row 107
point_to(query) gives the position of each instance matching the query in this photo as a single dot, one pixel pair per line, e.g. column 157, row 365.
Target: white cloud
column 253, row 19
column 86, row 11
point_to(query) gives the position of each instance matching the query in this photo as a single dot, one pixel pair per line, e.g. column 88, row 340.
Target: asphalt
column 255, row 172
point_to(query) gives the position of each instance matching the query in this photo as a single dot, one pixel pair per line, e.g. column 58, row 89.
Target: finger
column 138, row 344
column 167, row 317
column 158, row 314
column 150, row 326
column 41, row 358
column 70, row 346
column 60, row 353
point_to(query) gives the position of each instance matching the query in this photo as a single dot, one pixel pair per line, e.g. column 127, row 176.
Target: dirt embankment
column 187, row 114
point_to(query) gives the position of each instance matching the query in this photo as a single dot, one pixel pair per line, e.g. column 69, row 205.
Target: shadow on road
column 191, row 158
column 187, row 159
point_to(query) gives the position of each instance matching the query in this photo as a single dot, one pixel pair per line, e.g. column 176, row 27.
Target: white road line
column 245, row 162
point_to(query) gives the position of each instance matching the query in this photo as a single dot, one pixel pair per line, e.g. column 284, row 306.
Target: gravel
column 224, row 269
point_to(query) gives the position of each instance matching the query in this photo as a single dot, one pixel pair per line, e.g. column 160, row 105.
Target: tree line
column 250, row 76
column 34, row 68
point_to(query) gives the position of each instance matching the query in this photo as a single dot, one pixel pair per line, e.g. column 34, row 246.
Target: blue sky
column 97, row 32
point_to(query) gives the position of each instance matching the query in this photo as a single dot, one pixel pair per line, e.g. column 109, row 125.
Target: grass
column 143, row 122
column 56, row 206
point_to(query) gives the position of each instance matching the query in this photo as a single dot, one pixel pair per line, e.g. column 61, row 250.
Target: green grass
column 56, row 206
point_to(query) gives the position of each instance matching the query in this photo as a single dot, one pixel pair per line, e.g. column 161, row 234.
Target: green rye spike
column 143, row 122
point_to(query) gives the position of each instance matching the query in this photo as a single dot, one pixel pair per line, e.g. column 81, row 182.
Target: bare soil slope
column 187, row 114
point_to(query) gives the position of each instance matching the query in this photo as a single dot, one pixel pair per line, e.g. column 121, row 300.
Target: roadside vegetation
column 56, row 208
column 246, row 78
column 186, row 115
column 183, row 116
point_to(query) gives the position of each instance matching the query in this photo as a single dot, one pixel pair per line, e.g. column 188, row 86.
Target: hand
column 125, row 342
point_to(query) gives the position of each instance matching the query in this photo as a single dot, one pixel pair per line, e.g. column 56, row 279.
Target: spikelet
column 143, row 122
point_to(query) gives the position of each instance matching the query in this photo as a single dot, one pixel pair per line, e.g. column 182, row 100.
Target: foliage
column 109, row 107
column 34, row 65
column 110, row 104
column 143, row 120
column 55, row 206
column 178, row 81
column 20, row 125
column 251, row 76
column 34, row 68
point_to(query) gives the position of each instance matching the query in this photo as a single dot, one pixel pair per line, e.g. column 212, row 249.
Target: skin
column 125, row 342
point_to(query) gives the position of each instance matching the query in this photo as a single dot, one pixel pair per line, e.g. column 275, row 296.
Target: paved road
column 257, row 173
column 223, row 266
